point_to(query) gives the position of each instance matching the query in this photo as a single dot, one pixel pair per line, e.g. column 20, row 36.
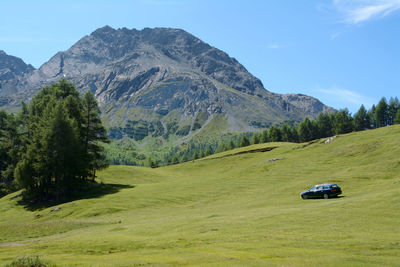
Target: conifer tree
column 255, row 139
column 221, row 147
column 244, row 141
column 285, row 130
column 394, row 106
column 372, row 117
column 343, row 122
column 13, row 140
column 152, row 163
column 264, row 137
column 208, row 152
column 12, row 143
column 324, row 124
column 361, row 120
column 175, row 160
column 305, row 130
column 382, row 113
column 184, row 157
column 294, row 134
column 62, row 150
column 93, row 133
column 231, row 145
column 275, row 134
column 6, row 132
column 397, row 118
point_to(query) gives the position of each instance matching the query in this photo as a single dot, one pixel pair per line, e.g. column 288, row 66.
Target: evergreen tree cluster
column 340, row 122
column 124, row 152
column 196, row 149
column 52, row 146
column 326, row 124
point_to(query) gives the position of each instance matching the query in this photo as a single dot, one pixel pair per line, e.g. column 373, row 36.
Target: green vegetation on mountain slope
column 228, row 209
column 212, row 138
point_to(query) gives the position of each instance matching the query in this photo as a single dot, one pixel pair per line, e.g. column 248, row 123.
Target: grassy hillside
column 236, row 210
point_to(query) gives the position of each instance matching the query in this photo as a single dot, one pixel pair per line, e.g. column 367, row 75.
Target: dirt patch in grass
column 11, row 244
column 258, row 150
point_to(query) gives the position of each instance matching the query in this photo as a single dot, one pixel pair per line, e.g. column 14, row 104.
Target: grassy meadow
column 230, row 209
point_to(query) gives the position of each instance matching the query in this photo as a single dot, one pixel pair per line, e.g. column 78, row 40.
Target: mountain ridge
column 166, row 75
column 11, row 70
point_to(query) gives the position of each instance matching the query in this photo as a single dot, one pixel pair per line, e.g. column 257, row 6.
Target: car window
column 326, row 187
column 320, row 187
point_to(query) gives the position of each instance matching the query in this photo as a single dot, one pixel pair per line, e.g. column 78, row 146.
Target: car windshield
column 313, row 188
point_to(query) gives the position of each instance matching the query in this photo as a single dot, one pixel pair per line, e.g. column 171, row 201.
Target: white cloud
column 347, row 96
column 335, row 35
column 357, row 11
column 274, row 46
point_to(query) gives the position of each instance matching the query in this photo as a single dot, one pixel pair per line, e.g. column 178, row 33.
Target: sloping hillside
column 236, row 209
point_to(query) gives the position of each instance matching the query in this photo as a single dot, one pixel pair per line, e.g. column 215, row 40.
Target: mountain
column 162, row 81
column 11, row 71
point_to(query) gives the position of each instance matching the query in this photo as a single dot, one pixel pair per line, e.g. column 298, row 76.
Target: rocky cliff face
column 12, row 71
column 164, row 77
column 12, row 67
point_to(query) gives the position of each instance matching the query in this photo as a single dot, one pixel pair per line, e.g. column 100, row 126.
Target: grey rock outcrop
column 164, row 75
column 12, row 72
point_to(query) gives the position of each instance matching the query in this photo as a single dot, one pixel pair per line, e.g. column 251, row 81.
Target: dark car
column 322, row 191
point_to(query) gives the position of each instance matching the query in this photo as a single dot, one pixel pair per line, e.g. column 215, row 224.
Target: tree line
column 327, row 124
column 53, row 145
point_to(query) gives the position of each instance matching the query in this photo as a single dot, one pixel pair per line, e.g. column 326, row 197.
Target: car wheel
column 326, row 196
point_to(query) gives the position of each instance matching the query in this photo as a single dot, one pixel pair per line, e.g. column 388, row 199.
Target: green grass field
column 228, row 210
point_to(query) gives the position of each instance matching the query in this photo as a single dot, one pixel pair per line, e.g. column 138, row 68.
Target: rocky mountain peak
column 11, row 67
column 160, row 77
column 13, row 71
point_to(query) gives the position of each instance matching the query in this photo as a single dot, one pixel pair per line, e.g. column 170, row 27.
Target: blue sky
column 345, row 53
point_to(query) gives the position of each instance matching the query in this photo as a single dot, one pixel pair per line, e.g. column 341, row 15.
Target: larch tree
column 362, row 120
column 324, row 123
column 382, row 113
column 305, row 130
column 275, row 134
column 93, row 133
column 286, row 133
column 63, row 147
column 343, row 122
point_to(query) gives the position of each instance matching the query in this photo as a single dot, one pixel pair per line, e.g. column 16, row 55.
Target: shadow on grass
column 321, row 198
column 88, row 191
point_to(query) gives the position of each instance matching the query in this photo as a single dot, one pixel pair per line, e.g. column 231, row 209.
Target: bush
column 25, row 261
